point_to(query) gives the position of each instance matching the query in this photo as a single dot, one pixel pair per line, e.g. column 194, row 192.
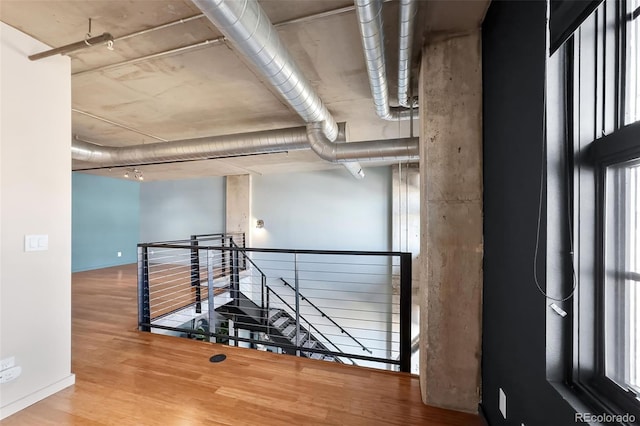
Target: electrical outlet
column 10, row 374
column 7, row 363
column 119, row 254
column 502, row 403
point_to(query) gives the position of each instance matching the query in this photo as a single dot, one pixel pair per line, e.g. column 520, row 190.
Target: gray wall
column 323, row 210
column 171, row 210
column 330, row 210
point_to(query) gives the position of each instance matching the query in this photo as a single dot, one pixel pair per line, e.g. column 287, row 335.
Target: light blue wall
column 105, row 221
column 324, row 210
column 173, row 210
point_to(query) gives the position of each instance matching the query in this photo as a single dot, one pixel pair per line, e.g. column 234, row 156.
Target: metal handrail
column 269, row 289
column 144, row 312
column 342, row 330
column 274, row 250
column 310, row 326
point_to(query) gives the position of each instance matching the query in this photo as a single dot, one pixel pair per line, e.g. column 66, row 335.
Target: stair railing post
column 268, row 297
column 265, row 309
column 211, row 308
column 235, row 283
column 295, row 266
column 195, row 272
column 144, row 308
column 224, row 258
column 405, row 312
column 244, row 246
column 235, row 276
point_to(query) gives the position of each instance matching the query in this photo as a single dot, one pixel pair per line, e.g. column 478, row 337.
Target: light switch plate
column 36, row 242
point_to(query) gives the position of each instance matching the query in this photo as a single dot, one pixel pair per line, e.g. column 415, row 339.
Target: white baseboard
column 36, row 396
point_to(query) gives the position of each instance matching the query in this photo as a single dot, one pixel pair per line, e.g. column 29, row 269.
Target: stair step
column 310, row 344
column 289, row 331
column 316, row 356
column 280, row 322
column 301, row 338
column 274, row 314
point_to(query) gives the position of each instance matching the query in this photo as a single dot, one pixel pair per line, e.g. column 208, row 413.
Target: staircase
column 285, row 325
column 280, row 326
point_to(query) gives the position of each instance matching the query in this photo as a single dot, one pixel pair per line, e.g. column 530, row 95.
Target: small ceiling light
column 260, row 224
column 134, row 173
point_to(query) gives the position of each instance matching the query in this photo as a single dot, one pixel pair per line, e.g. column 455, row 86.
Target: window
column 604, row 130
column 633, row 62
column 622, row 274
column 616, row 374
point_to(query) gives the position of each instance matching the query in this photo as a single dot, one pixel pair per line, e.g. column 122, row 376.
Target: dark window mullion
column 599, row 86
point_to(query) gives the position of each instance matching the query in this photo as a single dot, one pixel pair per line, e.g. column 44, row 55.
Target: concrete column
column 238, row 202
column 405, row 236
column 451, row 222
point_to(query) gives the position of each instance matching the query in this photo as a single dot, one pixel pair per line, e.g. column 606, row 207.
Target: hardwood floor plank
column 126, row 377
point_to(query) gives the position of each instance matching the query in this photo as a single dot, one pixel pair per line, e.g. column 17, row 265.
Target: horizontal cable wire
column 172, row 296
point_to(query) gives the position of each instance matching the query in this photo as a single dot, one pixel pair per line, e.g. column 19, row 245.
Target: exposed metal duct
column 370, row 23
column 405, row 48
column 263, row 142
column 402, row 149
column 248, row 28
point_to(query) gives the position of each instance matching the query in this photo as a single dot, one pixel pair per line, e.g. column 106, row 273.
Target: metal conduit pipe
column 402, row 149
column 369, row 13
column 407, row 15
column 262, row 142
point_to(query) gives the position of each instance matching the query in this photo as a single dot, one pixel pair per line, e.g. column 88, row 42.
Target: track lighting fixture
column 137, row 174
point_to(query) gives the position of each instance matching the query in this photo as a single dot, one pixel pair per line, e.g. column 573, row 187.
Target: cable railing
column 340, row 306
column 310, row 328
column 342, row 330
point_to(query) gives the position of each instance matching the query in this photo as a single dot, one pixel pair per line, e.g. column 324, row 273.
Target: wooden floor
column 125, row 377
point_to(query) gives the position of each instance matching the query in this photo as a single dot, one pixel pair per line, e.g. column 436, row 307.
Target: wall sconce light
column 260, row 224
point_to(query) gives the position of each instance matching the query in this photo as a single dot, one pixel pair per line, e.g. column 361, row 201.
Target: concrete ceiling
column 209, row 90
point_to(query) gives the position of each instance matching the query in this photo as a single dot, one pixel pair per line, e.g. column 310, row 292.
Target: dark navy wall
column 514, row 334
column 105, row 221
